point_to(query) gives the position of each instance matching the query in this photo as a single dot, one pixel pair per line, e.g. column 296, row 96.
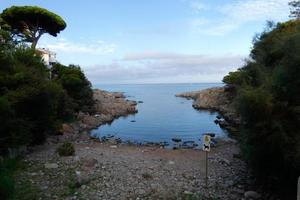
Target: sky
column 157, row 41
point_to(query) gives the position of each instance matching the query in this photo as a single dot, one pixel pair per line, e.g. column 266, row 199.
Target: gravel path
column 106, row 171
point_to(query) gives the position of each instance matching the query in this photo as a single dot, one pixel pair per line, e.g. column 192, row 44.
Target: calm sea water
column 161, row 116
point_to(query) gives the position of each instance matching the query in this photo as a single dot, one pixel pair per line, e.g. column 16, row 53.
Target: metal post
column 206, row 169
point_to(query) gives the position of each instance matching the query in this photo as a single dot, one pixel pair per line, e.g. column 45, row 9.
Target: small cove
column 161, row 116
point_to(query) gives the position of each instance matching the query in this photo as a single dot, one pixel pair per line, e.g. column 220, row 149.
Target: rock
column 81, row 178
column 176, row 140
column 77, row 158
column 224, row 161
column 51, row 166
column 251, row 195
column 188, row 193
column 237, row 155
column 216, row 99
column 238, row 191
column 171, row 162
column 210, row 134
column 113, row 146
column 140, row 102
column 132, row 121
column 188, row 145
column 91, row 163
column 66, row 128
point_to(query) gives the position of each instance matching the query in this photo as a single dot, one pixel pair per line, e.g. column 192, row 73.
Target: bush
column 66, row 149
column 31, row 105
column 7, row 169
column 268, row 100
column 76, row 85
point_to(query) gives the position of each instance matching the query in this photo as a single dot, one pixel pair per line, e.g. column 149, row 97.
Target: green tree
column 76, row 85
column 295, row 9
column 268, row 101
column 31, row 22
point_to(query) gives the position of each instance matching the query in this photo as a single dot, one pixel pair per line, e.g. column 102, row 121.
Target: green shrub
column 7, row 184
column 31, row 105
column 268, row 100
column 66, row 149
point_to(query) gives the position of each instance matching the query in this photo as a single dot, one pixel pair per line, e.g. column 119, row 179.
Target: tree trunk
column 34, row 43
column 35, row 40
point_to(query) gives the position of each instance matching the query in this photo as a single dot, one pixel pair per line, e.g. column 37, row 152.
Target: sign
column 206, row 143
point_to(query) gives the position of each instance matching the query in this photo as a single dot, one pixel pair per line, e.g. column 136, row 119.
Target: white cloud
column 93, row 48
column 154, row 67
column 198, row 6
column 238, row 13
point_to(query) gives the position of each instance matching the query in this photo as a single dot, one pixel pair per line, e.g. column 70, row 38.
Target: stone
column 171, row 162
column 66, row 128
column 176, row 140
column 188, row 193
column 113, row 146
column 251, row 195
column 91, row 163
column 51, row 166
column 224, row 161
column 81, row 178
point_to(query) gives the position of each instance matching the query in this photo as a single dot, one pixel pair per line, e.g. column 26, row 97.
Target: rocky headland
column 218, row 99
column 108, row 106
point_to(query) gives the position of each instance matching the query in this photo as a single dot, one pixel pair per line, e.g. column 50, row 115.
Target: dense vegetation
column 31, row 104
column 34, row 100
column 268, row 100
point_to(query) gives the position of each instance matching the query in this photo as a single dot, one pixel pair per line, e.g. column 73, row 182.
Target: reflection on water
column 161, row 116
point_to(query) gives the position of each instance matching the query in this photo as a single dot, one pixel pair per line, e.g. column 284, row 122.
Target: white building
column 48, row 56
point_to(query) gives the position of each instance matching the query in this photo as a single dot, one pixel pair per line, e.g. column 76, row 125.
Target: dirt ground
column 107, row 171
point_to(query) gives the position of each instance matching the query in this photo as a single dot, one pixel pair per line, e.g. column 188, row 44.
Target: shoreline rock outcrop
column 108, row 106
column 218, row 99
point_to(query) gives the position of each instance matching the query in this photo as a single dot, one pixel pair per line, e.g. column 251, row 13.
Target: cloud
column 233, row 15
column 155, row 67
column 93, row 48
column 198, row 6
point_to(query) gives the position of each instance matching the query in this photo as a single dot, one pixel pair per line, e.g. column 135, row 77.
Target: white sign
column 206, row 143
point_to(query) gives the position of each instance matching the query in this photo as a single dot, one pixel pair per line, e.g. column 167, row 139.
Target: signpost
column 206, row 148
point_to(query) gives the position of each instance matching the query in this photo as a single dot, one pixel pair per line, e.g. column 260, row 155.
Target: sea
column 161, row 115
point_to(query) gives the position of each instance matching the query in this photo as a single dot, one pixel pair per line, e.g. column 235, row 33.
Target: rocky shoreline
column 105, row 171
column 218, row 99
column 108, row 106
column 110, row 169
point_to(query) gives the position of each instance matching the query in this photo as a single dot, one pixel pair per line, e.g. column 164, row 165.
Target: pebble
column 251, row 195
column 171, row 162
column 51, row 165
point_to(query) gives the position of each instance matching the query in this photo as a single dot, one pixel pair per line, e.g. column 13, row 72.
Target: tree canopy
column 268, row 101
column 295, row 9
column 31, row 22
